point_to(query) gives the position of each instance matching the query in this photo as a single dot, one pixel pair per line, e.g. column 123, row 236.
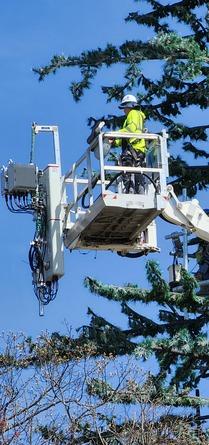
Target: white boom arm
column 188, row 214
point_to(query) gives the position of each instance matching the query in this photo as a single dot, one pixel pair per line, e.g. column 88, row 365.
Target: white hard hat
column 128, row 101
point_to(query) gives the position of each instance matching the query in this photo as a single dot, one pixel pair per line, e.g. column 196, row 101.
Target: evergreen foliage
column 182, row 81
column 177, row 337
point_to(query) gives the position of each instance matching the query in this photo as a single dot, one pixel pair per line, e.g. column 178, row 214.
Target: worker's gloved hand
column 96, row 129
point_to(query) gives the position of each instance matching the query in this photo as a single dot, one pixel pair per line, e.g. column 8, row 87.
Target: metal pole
column 56, row 147
column 198, row 413
column 185, row 238
column 41, row 308
column 200, row 284
column 89, row 171
column 32, row 150
column 164, row 159
column 101, row 160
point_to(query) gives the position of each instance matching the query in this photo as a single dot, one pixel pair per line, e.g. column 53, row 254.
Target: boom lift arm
column 187, row 214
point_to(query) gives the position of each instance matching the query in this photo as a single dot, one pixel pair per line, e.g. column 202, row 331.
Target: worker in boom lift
column 133, row 150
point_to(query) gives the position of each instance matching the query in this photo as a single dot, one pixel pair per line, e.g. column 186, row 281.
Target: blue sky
column 30, row 34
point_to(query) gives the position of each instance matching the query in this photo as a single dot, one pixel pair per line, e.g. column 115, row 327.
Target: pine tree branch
column 182, row 10
column 133, row 393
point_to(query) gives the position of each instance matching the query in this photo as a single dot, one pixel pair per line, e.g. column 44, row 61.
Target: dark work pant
column 133, row 182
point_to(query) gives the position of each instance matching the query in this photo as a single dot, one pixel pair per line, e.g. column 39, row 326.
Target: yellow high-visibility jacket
column 134, row 123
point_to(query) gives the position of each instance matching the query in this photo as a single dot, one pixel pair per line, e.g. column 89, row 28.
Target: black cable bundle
column 45, row 291
column 19, row 203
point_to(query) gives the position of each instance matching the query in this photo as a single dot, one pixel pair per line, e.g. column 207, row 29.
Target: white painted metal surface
column 54, row 244
column 188, row 214
column 113, row 220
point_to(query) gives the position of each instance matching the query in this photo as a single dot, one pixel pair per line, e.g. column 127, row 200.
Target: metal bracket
column 47, row 129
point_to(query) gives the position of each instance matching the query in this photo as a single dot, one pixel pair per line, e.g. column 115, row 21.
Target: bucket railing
column 92, row 175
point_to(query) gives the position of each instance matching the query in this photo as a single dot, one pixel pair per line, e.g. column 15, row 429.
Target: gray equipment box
column 21, row 177
column 4, row 182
